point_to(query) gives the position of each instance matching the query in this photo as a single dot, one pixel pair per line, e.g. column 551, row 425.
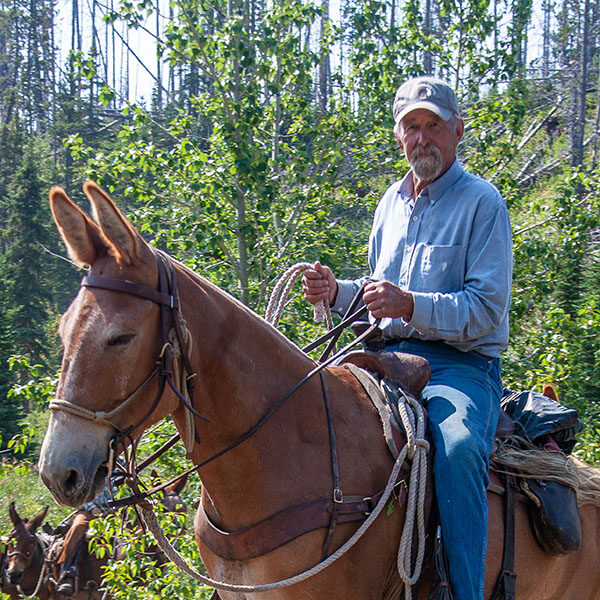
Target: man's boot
column 67, row 583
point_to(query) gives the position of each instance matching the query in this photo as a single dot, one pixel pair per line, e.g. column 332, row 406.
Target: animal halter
column 176, row 345
column 40, row 547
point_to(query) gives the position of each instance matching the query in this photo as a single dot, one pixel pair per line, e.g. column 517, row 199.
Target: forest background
column 267, row 140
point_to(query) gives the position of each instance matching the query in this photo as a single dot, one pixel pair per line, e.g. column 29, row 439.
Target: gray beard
column 426, row 163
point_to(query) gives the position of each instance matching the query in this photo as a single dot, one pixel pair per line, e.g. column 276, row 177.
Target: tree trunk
column 546, row 48
column 159, row 98
column 581, row 91
column 427, row 57
column 324, row 66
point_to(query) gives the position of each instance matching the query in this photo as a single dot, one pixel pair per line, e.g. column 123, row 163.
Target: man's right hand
column 319, row 284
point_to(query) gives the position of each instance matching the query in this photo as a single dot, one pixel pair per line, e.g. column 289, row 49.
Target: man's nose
column 423, row 138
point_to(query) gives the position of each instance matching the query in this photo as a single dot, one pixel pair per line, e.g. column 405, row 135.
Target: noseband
column 175, row 342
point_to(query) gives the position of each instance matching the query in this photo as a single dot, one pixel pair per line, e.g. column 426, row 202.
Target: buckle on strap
column 338, row 496
column 370, row 505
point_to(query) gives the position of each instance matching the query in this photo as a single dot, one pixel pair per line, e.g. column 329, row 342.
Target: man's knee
column 463, row 452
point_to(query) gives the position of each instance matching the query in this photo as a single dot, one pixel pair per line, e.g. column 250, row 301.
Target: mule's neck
column 243, row 368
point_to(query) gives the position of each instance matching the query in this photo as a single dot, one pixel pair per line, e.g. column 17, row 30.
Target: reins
column 167, row 297
column 137, row 498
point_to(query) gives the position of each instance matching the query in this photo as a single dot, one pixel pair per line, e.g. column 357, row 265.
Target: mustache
column 425, row 152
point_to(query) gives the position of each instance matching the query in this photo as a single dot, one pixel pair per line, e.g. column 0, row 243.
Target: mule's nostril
column 72, row 481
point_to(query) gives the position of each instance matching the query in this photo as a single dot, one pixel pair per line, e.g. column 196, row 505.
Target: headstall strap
column 174, row 348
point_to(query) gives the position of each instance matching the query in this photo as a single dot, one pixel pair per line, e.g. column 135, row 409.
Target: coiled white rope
column 280, row 294
column 415, row 507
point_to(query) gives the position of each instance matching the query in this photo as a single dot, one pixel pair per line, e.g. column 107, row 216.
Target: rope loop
column 281, row 291
column 414, row 423
column 164, row 349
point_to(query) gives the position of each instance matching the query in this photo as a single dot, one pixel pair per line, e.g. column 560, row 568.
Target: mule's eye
column 120, row 340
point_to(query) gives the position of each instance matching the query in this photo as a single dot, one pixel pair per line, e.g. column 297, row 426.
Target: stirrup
column 67, row 584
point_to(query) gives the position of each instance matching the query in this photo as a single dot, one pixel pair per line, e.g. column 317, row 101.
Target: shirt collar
column 435, row 189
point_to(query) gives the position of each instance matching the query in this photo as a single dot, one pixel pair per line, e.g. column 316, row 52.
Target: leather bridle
column 174, row 344
column 40, row 548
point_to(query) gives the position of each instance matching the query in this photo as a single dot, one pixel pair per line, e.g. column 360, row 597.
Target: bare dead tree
column 581, row 90
column 324, row 65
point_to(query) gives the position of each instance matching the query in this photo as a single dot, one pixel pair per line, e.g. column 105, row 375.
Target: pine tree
column 10, row 411
column 24, row 261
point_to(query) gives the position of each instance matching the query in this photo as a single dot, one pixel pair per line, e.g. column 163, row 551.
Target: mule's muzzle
column 14, row 576
column 73, row 485
column 72, row 461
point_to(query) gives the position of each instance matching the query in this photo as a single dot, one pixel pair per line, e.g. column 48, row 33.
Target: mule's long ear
column 179, row 484
column 14, row 515
column 80, row 234
column 37, row 520
column 124, row 241
column 550, row 392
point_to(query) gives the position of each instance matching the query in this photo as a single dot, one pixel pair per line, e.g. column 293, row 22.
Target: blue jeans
column 463, row 404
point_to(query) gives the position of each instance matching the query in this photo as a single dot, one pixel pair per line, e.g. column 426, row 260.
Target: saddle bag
column 554, row 513
column 537, row 416
column 554, row 516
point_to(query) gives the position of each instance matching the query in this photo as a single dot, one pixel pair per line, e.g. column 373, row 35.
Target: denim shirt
column 452, row 248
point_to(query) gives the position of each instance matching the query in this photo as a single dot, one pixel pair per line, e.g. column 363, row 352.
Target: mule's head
column 23, row 550
column 111, row 341
column 172, row 500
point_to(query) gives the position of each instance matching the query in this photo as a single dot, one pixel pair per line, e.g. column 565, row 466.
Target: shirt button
column 415, row 218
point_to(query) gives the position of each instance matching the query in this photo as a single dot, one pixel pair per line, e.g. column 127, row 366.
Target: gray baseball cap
column 425, row 92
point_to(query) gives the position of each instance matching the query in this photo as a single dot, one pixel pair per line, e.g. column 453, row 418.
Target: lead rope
column 416, row 447
column 417, row 487
column 35, row 592
column 280, row 294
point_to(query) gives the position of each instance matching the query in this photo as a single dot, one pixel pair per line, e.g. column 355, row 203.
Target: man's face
column 429, row 142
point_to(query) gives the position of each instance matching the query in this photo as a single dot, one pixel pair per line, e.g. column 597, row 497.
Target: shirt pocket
column 439, row 268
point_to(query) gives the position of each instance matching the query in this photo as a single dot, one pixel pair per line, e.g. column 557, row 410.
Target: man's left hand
column 384, row 299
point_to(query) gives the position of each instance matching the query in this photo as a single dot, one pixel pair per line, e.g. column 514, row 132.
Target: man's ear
column 460, row 129
column 397, row 136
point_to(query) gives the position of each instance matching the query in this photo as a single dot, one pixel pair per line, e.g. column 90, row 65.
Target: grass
column 23, row 485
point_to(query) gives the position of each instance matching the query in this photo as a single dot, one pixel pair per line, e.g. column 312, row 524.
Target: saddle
column 408, row 371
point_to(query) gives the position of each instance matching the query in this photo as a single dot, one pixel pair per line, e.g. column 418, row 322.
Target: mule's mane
column 530, row 461
column 240, row 306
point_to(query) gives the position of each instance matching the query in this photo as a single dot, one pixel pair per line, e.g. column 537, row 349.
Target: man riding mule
column 441, row 266
column 261, row 426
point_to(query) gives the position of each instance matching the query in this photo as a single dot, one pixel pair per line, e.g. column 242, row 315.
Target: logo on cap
column 424, row 92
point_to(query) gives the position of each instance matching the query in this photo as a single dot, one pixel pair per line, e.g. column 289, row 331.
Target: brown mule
column 243, row 367
column 27, row 570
